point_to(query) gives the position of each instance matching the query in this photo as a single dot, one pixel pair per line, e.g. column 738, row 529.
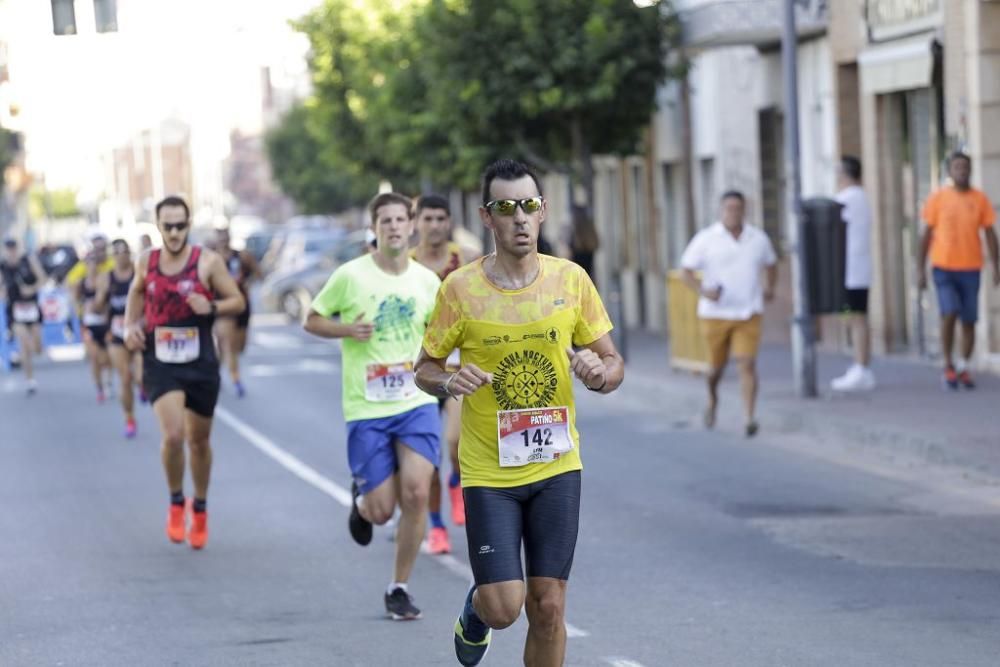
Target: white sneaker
column 857, row 378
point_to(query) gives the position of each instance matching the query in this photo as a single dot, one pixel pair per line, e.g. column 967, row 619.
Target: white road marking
column 289, row 462
column 342, row 495
column 622, row 662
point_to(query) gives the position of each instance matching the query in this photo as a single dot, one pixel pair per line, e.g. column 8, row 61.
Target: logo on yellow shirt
column 524, row 379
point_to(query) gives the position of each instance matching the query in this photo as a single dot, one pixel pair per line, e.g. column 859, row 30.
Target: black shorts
column 545, row 515
column 199, row 381
column 243, row 319
column 857, row 301
column 100, row 335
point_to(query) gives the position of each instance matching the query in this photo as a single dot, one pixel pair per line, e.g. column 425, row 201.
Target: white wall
column 724, row 115
column 817, row 119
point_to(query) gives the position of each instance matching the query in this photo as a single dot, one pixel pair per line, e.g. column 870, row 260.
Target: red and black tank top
column 166, row 295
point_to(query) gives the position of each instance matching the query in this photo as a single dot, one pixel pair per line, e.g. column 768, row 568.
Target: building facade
column 720, row 129
column 916, row 80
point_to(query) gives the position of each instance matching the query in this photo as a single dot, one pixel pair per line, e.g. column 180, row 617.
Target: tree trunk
column 584, row 159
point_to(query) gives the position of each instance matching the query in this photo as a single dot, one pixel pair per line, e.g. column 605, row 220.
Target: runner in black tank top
column 93, row 306
column 175, row 295
column 128, row 364
column 232, row 331
column 20, row 278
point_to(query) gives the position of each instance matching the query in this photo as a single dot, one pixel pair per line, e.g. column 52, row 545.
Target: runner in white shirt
column 857, row 216
column 731, row 256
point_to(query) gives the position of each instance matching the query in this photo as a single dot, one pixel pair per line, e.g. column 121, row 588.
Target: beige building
column 153, row 164
column 722, row 129
column 917, row 79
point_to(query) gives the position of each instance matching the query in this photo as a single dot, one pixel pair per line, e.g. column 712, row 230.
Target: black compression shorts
column 545, row 515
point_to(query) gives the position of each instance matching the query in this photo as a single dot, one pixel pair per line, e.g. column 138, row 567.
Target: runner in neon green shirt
column 383, row 301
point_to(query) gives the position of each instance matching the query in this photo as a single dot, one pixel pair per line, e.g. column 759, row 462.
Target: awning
column 902, row 65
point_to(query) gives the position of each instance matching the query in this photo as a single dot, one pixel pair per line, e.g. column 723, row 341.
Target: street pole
column 803, row 334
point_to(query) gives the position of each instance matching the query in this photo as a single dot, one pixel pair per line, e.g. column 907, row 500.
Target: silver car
column 290, row 289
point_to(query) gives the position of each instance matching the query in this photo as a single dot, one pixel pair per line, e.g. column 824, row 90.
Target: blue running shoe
column 472, row 636
column 241, row 391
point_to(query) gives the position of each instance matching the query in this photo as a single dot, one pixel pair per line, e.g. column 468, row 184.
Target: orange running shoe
column 198, row 535
column 438, row 542
column 457, row 505
column 175, row 523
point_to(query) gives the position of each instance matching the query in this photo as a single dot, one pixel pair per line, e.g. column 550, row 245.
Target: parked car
column 291, row 289
column 258, row 243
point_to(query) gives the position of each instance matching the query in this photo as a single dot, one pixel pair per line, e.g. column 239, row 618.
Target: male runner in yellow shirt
column 515, row 316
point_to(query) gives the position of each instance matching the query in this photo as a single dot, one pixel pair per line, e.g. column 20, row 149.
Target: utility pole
column 803, row 332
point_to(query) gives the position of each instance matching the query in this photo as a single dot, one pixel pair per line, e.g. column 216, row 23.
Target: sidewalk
column 908, row 421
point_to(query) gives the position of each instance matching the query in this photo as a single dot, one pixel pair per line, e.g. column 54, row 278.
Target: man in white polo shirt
column 732, row 258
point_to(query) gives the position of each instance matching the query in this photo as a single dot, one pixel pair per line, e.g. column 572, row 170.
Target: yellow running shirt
column 521, row 336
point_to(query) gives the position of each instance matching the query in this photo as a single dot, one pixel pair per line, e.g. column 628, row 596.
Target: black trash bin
column 825, row 247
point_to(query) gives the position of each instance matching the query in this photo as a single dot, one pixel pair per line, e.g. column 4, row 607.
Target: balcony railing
column 747, row 22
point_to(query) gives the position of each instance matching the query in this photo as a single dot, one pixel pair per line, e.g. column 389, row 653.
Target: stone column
column 983, row 74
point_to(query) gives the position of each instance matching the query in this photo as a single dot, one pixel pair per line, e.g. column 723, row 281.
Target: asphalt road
column 696, row 549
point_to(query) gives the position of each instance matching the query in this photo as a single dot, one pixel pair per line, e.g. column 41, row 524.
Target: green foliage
column 425, row 92
column 52, row 204
column 6, row 155
column 304, row 168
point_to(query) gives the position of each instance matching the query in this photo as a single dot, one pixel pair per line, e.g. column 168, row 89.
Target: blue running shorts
column 371, row 450
column 958, row 293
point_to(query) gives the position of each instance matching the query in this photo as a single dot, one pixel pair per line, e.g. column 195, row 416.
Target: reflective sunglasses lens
column 531, row 205
column 505, row 206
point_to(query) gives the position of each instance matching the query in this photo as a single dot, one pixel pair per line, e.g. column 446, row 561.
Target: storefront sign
column 889, row 19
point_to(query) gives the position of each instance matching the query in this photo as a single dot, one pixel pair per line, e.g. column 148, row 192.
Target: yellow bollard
column 688, row 351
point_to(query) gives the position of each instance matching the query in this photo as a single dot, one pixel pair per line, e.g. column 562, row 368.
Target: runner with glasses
column 515, row 317
column 169, row 317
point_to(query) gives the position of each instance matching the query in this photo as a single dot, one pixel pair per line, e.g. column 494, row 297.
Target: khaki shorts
column 741, row 338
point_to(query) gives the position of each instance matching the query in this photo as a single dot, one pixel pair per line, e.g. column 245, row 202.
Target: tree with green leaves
column 6, row 154
column 552, row 82
column 302, row 166
column 425, row 92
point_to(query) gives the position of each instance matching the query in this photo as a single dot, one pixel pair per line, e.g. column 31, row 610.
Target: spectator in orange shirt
column 955, row 214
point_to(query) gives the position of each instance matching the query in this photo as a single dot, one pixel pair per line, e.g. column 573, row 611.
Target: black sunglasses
column 508, row 206
column 175, row 226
